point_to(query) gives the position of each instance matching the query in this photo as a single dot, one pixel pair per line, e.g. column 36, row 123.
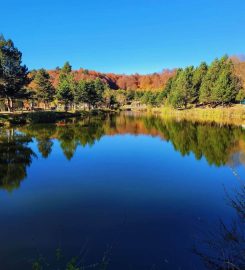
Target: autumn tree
column 13, row 75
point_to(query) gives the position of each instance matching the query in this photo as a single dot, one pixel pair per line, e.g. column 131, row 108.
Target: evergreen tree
column 67, row 68
column 90, row 92
column 182, row 91
column 86, row 93
column 198, row 77
column 66, row 85
column 169, row 86
column 227, row 85
column 208, row 82
column 43, row 87
column 13, row 75
column 210, row 79
column 160, row 98
column 99, row 88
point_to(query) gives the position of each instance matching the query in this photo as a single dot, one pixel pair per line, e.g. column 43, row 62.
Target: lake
column 126, row 191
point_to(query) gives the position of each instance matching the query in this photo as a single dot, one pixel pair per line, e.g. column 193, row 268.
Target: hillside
column 155, row 81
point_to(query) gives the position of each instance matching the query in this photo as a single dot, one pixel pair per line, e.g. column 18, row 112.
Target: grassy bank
column 225, row 115
column 20, row 118
column 234, row 114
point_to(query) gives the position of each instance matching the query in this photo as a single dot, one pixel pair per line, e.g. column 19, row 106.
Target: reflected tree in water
column 67, row 139
column 214, row 142
column 83, row 133
column 43, row 134
column 15, row 157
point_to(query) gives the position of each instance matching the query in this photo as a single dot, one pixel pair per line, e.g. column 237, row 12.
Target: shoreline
column 43, row 117
column 234, row 115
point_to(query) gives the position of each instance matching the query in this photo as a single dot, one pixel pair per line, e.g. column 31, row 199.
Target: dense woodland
column 220, row 83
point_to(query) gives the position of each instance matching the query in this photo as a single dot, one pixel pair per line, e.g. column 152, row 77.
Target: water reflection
column 216, row 143
column 219, row 145
column 15, row 157
column 125, row 188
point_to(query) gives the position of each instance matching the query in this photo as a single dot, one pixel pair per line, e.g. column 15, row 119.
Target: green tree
column 241, row 95
column 85, row 93
column 44, row 90
column 90, row 92
column 198, row 77
column 109, row 98
column 121, row 97
column 13, row 75
column 99, row 88
column 168, row 86
column 146, row 97
column 210, row 79
column 160, row 98
column 182, row 91
column 227, row 85
column 66, row 86
column 67, row 68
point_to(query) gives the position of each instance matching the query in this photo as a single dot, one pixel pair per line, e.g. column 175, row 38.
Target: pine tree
column 44, row 90
column 209, row 81
column 66, row 85
column 86, row 93
column 13, row 75
column 99, row 88
column 182, row 91
column 198, row 77
column 227, row 86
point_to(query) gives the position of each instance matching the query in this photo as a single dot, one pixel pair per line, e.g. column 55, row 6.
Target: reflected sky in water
column 139, row 186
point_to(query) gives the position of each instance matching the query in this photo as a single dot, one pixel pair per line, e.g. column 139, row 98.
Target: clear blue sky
column 123, row 36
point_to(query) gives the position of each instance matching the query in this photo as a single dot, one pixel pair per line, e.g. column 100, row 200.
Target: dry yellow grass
column 225, row 115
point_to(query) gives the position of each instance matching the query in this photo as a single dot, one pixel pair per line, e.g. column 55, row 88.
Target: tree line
column 205, row 85
column 212, row 84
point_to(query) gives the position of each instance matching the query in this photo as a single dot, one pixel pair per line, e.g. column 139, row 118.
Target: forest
column 219, row 83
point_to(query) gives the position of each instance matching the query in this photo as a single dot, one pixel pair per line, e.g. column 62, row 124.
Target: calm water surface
column 137, row 190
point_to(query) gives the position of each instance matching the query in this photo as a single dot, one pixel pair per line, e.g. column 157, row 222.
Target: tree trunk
column 66, row 107
column 9, row 104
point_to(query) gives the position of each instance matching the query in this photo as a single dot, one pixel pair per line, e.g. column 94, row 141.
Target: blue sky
column 124, row 36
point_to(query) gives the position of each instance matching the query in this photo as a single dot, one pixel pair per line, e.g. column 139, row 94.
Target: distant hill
column 155, row 81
